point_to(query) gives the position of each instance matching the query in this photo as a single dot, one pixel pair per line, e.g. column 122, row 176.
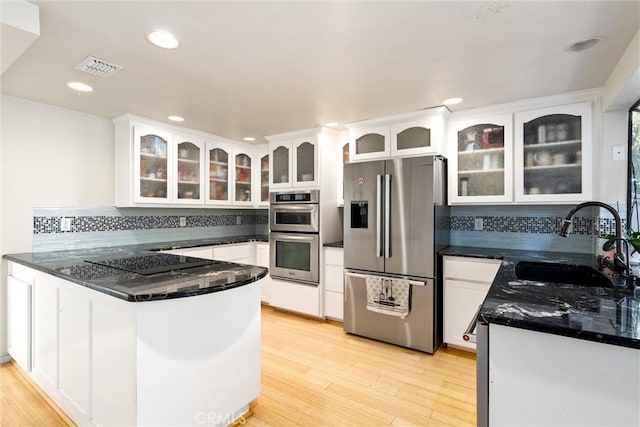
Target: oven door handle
column 296, row 237
column 295, row 208
column 469, row 334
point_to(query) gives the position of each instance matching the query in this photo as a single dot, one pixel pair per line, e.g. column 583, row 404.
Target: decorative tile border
column 534, row 225
column 80, row 224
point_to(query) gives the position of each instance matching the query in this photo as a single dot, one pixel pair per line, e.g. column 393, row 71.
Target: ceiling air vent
column 98, row 67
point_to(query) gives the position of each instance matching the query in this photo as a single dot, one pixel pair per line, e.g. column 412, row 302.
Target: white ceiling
column 261, row 68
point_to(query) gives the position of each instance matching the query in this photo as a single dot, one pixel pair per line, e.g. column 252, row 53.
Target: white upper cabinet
column 219, row 181
column 243, row 178
column 158, row 164
column 189, row 169
column 480, row 165
column 553, row 157
column 294, row 160
column 413, row 134
column 262, row 177
column 153, row 154
column 305, row 161
column 540, row 155
column 369, row 143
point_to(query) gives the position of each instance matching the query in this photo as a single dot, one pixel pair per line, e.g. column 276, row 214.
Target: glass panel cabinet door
column 264, row 178
column 218, row 175
column 370, row 143
column 281, row 165
column 189, row 168
column 413, row 137
column 305, row 162
column 153, row 182
column 553, row 146
column 345, row 153
column 243, row 178
column 481, row 164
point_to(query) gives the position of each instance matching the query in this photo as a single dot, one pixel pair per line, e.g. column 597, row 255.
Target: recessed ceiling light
column 176, row 118
column 452, row 101
column 585, row 44
column 331, row 124
column 163, row 39
column 249, row 138
column 80, row 87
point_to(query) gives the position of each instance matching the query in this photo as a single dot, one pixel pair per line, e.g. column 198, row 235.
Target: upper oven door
column 302, row 217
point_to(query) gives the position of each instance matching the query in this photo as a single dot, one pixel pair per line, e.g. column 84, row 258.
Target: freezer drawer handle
column 364, row 276
column 469, row 334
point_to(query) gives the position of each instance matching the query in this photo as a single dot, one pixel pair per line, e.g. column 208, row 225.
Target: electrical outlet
column 183, row 221
column 478, row 224
column 65, row 224
column 238, row 220
column 618, row 152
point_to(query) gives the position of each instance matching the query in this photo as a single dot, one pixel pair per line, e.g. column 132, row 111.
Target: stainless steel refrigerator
column 395, row 221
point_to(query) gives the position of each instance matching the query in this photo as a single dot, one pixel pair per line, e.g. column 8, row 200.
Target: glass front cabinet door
column 151, row 182
column 480, row 161
column 218, row 162
column 243, row 168
column 189, row 169
column 281, row 165
column 264, row 180
column 305, row 162
column 553, row 154
column 369, row 143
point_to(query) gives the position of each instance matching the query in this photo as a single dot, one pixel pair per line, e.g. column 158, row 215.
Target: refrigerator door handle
column 387, row 216
column 379, row 214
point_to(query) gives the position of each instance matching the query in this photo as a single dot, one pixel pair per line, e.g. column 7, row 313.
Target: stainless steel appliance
column 294, row 240
column 394, row 223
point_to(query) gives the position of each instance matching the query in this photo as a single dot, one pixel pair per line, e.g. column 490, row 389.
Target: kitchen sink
column 581, row 275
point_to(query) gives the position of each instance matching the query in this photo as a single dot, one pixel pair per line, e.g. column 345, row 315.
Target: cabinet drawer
column 334, row 256
column 231, row 252
column 472, row 269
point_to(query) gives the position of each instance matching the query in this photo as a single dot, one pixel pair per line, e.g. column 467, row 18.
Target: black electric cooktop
column 153, row 264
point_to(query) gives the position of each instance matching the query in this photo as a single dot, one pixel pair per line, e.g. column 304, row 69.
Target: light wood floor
column 313, row 374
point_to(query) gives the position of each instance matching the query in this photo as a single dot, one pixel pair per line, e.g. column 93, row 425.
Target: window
column 633, row 192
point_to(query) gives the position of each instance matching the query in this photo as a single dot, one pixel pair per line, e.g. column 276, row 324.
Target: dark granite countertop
column 334, row 245
column 72, row 265
column 610, row 316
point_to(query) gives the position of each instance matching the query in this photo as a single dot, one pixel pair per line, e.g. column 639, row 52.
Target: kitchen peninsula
column 553, row 353
column 116, row 339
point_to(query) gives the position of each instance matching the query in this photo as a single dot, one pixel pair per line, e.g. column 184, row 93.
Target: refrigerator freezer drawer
column 415, row 331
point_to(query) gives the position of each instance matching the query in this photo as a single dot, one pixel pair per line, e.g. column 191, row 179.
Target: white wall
column 48, row 156
column 612, row 178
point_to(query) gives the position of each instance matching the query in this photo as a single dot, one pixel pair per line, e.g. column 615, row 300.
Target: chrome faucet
column 620, row 262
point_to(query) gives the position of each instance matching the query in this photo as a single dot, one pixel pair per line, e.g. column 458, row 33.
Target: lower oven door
column 294, row 256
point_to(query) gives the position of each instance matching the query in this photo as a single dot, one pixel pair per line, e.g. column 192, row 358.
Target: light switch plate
column 183, row 221
column 618, row 152
column 65, row 224
column 478, row 224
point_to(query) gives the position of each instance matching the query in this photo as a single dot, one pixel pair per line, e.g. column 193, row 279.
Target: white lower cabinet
column 19, row 287
column 293, row 296
column 540, row 379
column 237, row 252
column 333, row 280
column 262, row 260
column 466, row 283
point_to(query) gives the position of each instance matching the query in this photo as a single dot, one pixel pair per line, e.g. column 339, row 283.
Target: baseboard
column 5, row 358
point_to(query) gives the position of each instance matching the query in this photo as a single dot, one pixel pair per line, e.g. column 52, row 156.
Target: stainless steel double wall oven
column 294, row 219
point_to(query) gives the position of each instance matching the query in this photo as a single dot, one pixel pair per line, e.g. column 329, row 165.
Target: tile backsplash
column 93, row 226
column 529, row 227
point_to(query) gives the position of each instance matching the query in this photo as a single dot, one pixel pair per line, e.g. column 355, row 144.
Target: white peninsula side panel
column 540, row 379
